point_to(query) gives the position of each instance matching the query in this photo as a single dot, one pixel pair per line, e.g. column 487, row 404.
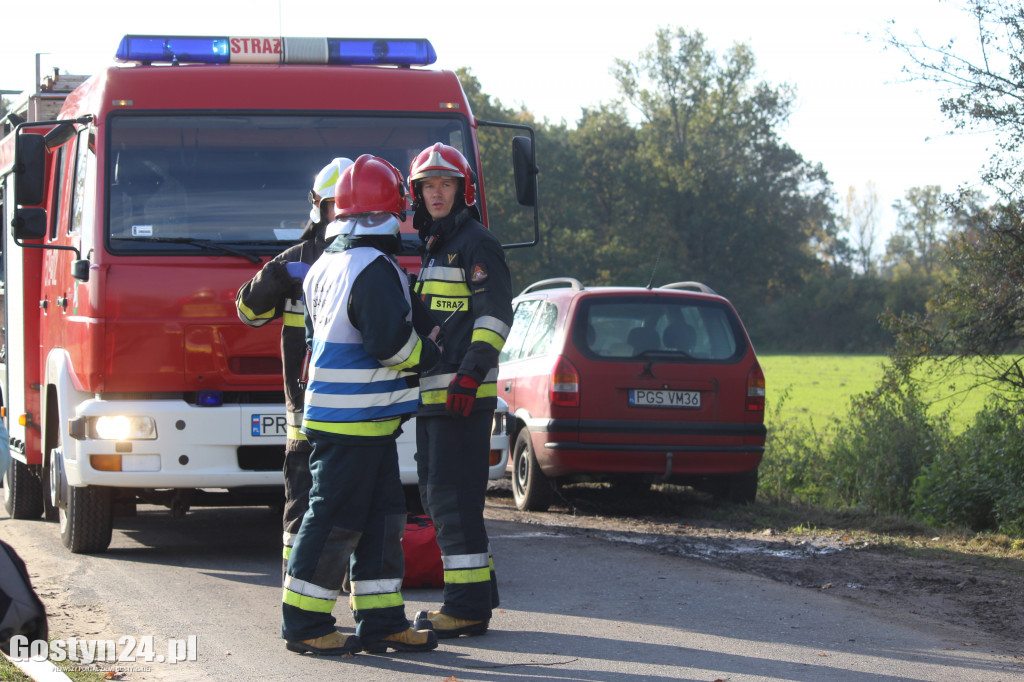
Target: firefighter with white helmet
column 276, row 292
column 323, row 189
column 363, row 384
column 465, row 284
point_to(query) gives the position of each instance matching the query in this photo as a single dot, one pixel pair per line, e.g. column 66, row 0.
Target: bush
column 868, row 460
column 882, row 447
column 888, row 456
column 790, row 470
column 978, row 481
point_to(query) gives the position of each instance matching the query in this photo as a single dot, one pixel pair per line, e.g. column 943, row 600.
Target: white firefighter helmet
column 324, row 183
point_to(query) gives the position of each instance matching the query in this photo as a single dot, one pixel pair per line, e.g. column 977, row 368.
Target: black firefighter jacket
column 466, row 287
column 271, row 294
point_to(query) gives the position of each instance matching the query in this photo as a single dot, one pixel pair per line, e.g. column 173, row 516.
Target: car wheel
column 87, row 519
column 55, row 484
column 49, row 494
column 23, row 492
column 530, row 487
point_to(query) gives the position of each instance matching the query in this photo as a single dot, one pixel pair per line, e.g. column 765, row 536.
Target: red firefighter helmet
column 369, row 199
column 370, row 185
column 442, row 160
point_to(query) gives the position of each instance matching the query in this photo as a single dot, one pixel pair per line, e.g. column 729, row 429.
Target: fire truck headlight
column 119, row 427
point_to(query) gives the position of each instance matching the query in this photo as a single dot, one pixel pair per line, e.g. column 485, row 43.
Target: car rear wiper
column 201, row 243
column 663, row 353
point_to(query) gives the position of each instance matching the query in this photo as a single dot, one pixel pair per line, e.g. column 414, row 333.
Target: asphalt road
column 573, row 608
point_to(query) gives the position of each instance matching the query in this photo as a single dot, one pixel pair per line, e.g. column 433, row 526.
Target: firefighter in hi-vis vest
column 276, row 291
column 465, row 285
column 363, row 384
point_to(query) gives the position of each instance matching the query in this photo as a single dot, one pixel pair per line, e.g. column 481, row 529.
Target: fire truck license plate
column 269, row 425
column 683, row 399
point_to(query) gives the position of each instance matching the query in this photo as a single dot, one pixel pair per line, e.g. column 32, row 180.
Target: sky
column 856, row 112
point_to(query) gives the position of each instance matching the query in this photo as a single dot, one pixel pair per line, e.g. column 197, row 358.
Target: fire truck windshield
column 240, row 179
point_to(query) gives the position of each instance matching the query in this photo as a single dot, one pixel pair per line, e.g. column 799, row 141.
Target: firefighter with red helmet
column 465, row 285
column 276, row 292
column 363, row 384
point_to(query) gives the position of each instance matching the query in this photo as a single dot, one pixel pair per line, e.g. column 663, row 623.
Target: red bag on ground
column 423, row 567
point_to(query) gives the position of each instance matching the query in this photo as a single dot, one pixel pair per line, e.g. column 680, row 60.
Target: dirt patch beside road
column 907, row 573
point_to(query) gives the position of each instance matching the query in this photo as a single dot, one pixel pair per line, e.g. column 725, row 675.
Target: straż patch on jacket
column 479, row 275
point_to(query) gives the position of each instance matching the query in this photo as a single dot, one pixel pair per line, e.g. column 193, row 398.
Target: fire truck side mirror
column 29, row 169
column 80, row 270
column 525, row 170
column 29, row 223
column 62, row 134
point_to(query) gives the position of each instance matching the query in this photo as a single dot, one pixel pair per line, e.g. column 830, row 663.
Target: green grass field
column 818, row 388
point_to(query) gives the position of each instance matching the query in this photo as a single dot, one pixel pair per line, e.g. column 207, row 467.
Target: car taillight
column 565, row 384
column 755, row 389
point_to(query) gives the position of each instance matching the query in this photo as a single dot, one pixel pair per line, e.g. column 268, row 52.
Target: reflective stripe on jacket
column 350, row 391
column 269, row 296
column 465, row 284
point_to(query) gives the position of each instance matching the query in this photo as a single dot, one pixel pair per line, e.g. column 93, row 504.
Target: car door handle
column 508, row 386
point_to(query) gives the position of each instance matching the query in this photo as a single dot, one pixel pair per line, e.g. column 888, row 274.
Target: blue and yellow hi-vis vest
column 349, row 391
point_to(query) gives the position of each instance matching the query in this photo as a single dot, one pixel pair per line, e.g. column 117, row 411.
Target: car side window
column 542, row 331
column 521, row 318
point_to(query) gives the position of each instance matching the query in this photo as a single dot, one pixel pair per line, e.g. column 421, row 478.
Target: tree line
column 686, row 177
column 950, row 287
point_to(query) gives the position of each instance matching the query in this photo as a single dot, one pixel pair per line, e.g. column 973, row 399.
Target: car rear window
column 631, row 327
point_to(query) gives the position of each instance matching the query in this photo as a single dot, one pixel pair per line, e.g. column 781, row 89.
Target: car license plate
column 675, row 399
column 269, row 425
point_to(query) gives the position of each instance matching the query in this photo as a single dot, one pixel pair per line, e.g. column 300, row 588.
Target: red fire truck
column 132, row 216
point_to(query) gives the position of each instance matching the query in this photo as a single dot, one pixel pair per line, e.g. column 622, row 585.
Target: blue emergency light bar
column 258, row 50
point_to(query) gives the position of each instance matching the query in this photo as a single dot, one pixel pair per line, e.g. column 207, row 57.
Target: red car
column 631, row 385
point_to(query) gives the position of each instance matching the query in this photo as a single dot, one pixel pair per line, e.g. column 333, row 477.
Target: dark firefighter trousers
column 452, row 462
column 297, row 483
column 356, row 519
